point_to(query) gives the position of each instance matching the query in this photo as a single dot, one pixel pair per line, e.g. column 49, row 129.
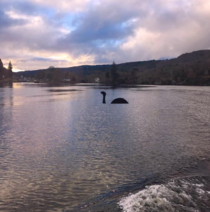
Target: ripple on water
column 60, row 151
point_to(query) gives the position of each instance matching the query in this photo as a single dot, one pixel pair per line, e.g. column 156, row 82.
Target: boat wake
column 191, row 194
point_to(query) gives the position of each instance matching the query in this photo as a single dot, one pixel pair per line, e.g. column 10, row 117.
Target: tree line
column 53, row 74
column 153, row 72
column 6, row 74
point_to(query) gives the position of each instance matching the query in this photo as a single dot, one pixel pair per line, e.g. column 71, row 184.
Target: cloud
column 41, row 59
column 88, row 32
column 7, row 21
column 171, row 32
column 64, row 5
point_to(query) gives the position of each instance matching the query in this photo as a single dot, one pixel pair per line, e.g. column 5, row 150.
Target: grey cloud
column 40, row 59
column 105, row 32
column 106, row 23
column 101, row 28
column 24, row 7
column 6, row 21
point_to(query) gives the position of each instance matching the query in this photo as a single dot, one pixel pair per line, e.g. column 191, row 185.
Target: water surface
column 61, row 148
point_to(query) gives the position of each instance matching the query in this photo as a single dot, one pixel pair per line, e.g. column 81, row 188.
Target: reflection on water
column 59, row 151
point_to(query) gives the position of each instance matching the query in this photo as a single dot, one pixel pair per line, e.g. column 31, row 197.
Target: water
column 61, row 149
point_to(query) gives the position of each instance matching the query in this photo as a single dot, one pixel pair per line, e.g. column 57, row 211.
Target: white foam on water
column 177, row 195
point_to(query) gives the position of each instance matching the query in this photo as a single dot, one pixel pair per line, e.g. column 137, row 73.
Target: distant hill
column 187, row 69
column 91, row 69
column 194, row 56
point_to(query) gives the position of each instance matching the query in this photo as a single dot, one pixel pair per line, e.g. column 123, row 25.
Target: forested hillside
column 187, row 69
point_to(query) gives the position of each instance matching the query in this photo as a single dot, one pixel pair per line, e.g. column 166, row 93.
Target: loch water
column 62, row 150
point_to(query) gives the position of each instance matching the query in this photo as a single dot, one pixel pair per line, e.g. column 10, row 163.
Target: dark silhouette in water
column 115, row 101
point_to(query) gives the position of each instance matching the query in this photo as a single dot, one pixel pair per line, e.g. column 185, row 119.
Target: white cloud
column 64, row 5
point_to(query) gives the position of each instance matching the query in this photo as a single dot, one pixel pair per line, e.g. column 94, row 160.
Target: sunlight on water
column 60, row 146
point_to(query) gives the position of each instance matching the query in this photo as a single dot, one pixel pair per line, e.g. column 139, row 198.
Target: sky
column 36, row 34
